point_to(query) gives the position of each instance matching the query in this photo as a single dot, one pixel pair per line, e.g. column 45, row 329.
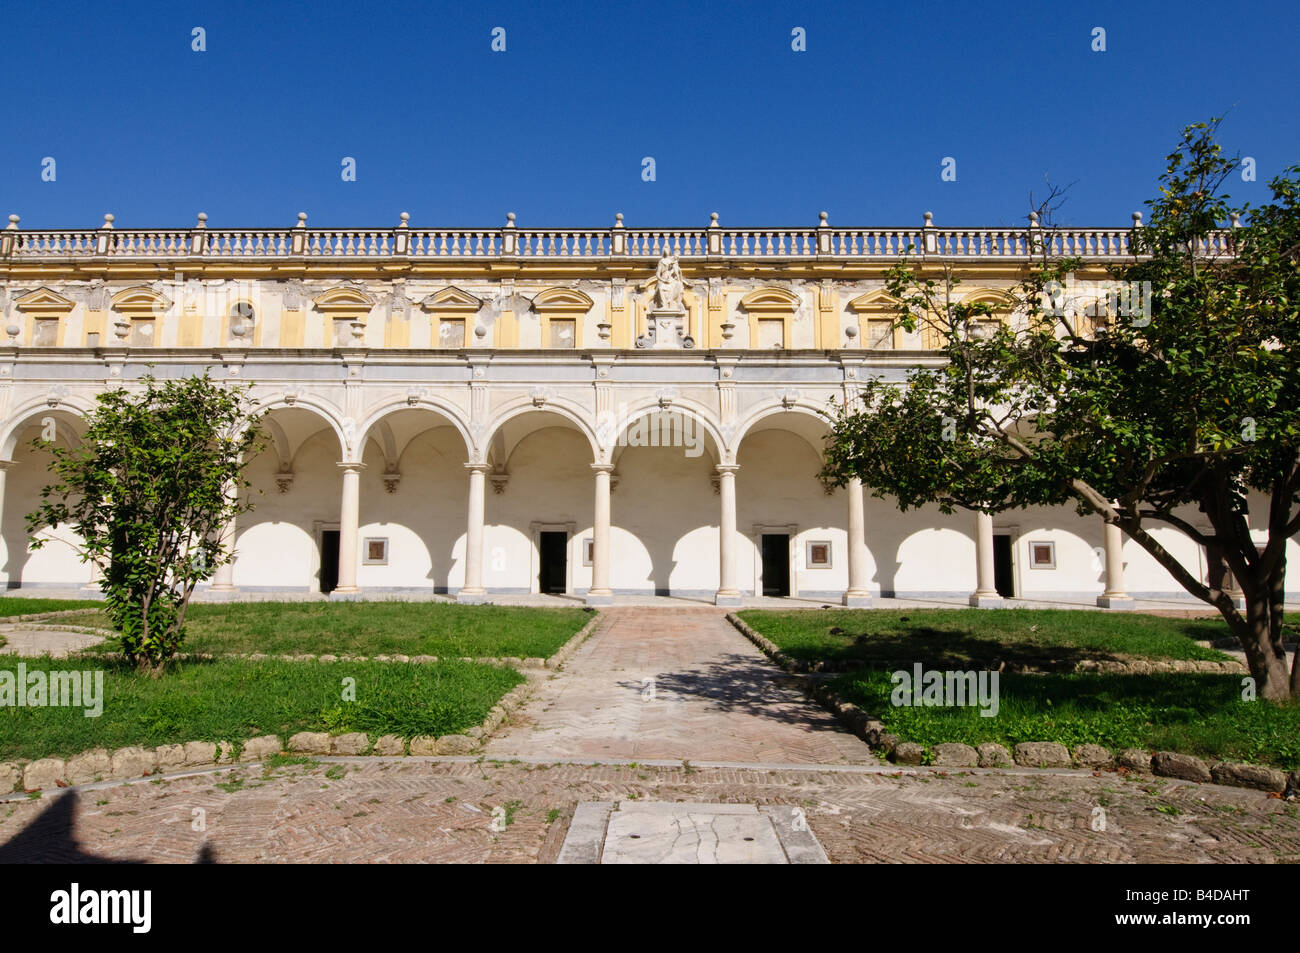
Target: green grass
column 236, row 699
column 376, row 628
column 965, row 637
column 11, row 606
column 1191, row 713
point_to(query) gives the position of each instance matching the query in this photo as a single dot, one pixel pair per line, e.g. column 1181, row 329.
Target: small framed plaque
column 819, row 554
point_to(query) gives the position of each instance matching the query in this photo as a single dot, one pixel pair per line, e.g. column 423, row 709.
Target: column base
column 350, row 594
column 984, row 600
column 857, row 600
column 728, row 597
column 600, row 597
column 1117, row 601
column 472, row 597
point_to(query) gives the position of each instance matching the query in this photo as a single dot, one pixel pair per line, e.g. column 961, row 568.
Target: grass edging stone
column 133, row 761
column 1041, row 754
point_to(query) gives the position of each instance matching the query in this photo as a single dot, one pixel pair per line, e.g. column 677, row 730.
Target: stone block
column 89, row 766
column 1042, row 754
column 44, row 775
column 353, row 743
column 992, row 755
column 1249, row 776
column 954, row 755
column 908, row 753
column 310, row 742
column 1170, row 764
column 200, row 752
column 131, row 762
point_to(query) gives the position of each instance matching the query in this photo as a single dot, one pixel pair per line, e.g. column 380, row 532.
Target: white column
column 4, row 469
column 728, row 594
column 600, row 594
column 349, row 519
column 223, row 580
column 472, row 591
column 1115, row 597
column 986, row 594
column 857, row 595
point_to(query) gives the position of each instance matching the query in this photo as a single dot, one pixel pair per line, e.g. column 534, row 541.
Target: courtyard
column 648, row 705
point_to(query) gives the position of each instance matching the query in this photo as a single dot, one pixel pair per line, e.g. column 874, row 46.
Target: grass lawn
column 1192, row 713
column 972, row 636
column 11, row 606
column 376, row 628
column 235, row 699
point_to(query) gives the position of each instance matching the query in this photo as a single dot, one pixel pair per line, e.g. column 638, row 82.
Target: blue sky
column 555, row 128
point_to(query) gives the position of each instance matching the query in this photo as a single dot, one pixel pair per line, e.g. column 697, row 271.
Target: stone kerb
column 1036, row 754
column 132, row 762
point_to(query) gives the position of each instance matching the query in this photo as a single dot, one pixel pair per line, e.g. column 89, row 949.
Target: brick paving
column 675, row 683
column 410, row 810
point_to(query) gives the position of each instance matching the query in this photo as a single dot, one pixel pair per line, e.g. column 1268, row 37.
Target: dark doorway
column 776, row 564
column 554, row 554
column 1004, row 577
column 329, row 560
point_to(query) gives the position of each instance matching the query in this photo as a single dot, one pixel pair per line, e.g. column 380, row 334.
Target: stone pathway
column 380, row 810
column 56, row 643
column 674, row 684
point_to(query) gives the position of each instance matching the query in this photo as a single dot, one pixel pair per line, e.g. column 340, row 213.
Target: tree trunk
column 1260, row 635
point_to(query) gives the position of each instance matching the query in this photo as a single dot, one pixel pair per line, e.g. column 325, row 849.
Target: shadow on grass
column 1201, row 714
column 943, row 648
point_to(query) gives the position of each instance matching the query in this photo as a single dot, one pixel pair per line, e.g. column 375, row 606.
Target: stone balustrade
column 510, row 242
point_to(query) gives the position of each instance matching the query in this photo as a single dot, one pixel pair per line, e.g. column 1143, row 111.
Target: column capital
column 725, row 468
column 351, row 466
column 603, row 467
column 478, row 467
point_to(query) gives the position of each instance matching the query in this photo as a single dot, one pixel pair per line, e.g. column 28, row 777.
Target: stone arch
column 615, row 428
column 320, row 408
column 573, row 413
column 434, row 405
column 800, row 408
column 73, row 407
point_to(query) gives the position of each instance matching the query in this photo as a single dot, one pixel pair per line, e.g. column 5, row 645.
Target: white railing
column 822, row 242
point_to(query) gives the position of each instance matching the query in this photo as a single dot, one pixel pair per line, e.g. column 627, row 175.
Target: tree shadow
column 52, row 839
column 944, row 648
column 740, row 684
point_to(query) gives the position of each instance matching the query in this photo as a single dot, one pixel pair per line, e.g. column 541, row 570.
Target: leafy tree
column 1166, row 402
column 156, row 476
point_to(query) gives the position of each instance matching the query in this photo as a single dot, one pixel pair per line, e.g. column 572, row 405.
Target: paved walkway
column 56, row 643
column 682, row 684
column 381, row 810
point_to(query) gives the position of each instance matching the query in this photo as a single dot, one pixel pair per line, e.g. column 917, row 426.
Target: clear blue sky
column 253, row 130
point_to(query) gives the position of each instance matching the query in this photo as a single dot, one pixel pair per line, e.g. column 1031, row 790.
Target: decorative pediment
column 999, row 299
column 562, row 301
column 452, row 299
column 875, row 301
column 140, row 302
column 43, row 301
column 771, row 301
column 344, row 301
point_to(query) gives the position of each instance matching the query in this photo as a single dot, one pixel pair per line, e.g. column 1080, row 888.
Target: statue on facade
column 668, row 288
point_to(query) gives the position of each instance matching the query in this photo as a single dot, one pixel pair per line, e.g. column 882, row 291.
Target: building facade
column 512, row 410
